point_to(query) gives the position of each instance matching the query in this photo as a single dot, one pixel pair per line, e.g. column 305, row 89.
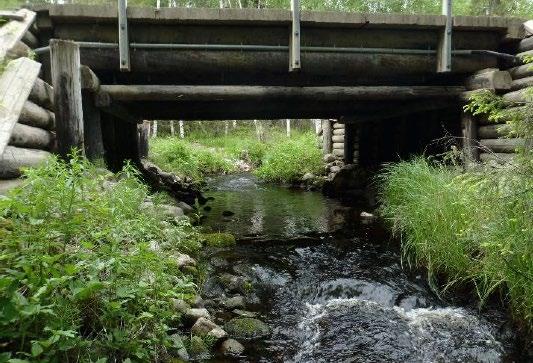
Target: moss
column 219, row 239
column 198, row 348
column 247, row 328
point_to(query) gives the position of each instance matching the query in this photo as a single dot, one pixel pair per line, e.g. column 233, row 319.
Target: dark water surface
column 332, row 289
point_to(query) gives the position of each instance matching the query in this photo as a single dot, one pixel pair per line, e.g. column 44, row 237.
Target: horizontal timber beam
column 134, row 93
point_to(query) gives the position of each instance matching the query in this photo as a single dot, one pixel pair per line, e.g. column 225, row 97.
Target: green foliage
column 472, row 227
column 288, row 160
column 219, row 239
column 188, row 159
column 86, row 271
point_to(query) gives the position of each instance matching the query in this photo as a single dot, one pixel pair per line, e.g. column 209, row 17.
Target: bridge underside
column 379, row 71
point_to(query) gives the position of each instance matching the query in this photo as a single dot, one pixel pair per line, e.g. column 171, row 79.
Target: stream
column 331, row 286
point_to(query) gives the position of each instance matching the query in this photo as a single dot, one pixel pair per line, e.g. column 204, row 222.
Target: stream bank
column 330, row 286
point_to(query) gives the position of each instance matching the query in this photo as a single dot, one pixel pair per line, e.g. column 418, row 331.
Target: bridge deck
column 323, row 34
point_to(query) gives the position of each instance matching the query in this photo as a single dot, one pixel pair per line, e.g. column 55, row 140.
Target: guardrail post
column 444, row 52
column 123, row 39
column 294, row 46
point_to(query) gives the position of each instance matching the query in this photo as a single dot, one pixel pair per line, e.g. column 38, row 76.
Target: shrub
column 187, row 159
column 86, row 271
column 288, row 160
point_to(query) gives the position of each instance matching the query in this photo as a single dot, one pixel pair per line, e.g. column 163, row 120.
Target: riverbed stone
column 335, row 169
column 180, row 305
column 308, row 177
column 247, row 328
column 203, row 326
column 219, row 239
column 198, row 302
column 245, row 313
column 193, row 314
column 234, row 302
column 184, row 260
column 231, row 347
column 234, row 283
column 185, row 207
column 328, row 158
column 179, row 347
column 217, row 334
column 227, row 213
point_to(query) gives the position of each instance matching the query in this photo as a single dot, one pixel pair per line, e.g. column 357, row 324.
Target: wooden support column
column 120, row 140
column 94, row 145
column 65, row 65
column 349, row 140
column 326, row 136
column 470, row 149
column 144, row 135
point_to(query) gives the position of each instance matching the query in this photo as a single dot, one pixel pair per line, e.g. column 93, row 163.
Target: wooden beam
column 31, row 137
column 493, row 79
column 15, row 158
column 294, row 44
column 521, row 83
column 521, row 96
column 123, row 37
column 89, row 80
column 16, row 83
column 13, row 31
column 42, row 94
column 523, row 71
column 470, row 137
column 34, row 115
column 444, row 50
column 104, row 101
column 493, row 131
column 66, row 80
column 326, row 136
column 29, row 39
column 502, row 145
column 500, row 158
column 134, row 93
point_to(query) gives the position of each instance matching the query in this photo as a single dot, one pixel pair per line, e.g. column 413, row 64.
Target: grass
column 87, row 272
column 472, row 227
column 288, row 161
column 275, row 159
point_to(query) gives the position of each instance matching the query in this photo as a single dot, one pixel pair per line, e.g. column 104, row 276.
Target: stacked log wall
column 491, row 140
column 29, row 126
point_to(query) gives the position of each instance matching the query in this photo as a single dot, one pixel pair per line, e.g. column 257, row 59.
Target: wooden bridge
column 386, row 77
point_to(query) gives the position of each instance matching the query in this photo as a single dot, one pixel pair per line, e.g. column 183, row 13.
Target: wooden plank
column 15, row 86
column 493, row 79
column 123, row 37
column 66, row 81
column 444, row 50
column 11, row 15
column 294, row 45
column 326, row 136
column 131, row 93
column 13, row 31
column 15, row 158
column 19, row 50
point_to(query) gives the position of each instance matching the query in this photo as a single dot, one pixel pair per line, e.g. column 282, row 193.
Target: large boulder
column 247, row 328
column 231, row 347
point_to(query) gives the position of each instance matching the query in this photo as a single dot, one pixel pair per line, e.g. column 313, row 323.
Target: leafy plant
column 88, row 271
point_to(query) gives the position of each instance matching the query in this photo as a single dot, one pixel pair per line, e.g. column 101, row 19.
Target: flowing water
column 332, row 288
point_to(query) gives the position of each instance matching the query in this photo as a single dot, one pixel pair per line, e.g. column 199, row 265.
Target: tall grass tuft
column 86, row 270
column 469, row 227
column 288, row 160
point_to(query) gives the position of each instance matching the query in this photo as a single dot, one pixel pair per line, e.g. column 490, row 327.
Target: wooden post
column 94, row 145
column 444, row 52
column 144, row 131
column 65, row 65
column 326, row 136
column 349, row 140
column 470, row 149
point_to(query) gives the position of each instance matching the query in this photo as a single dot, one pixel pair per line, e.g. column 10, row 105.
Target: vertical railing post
column 294, row 46
column 444, row 52
column 66, row 80
column 123, row 38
